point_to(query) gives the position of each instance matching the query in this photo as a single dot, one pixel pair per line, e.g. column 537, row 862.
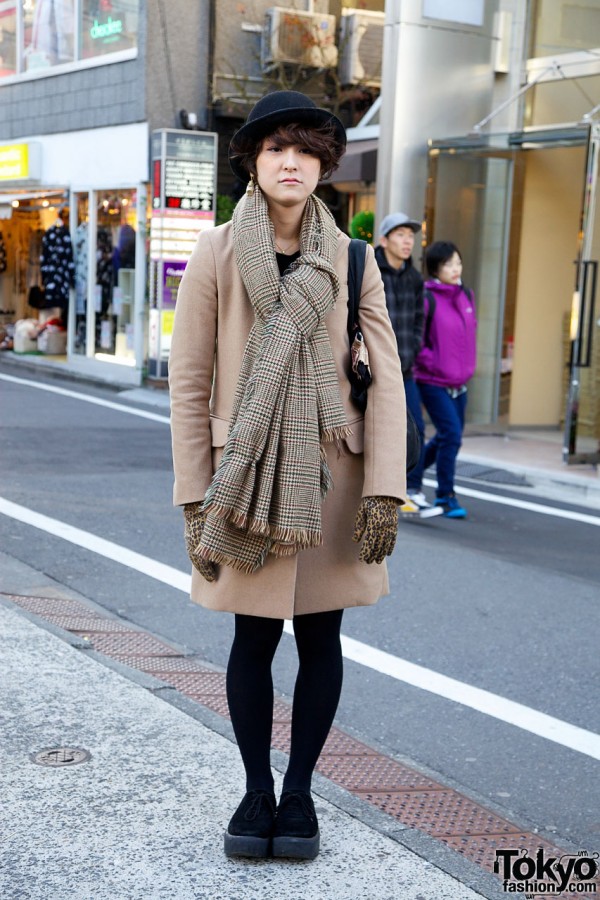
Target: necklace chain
column 287, row 249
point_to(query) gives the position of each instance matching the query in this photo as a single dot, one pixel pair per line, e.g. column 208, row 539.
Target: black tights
column 316, row 693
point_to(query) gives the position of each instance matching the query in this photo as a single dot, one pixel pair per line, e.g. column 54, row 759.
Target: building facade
column 83, row 85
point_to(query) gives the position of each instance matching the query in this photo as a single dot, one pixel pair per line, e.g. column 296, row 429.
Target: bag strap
column 357, row 254
column 430, row 311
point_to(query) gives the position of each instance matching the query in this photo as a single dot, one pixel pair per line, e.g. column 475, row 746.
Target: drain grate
column 59, row 757
column 487, row 473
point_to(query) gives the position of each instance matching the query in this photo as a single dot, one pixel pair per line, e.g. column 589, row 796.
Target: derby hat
column 276, row 109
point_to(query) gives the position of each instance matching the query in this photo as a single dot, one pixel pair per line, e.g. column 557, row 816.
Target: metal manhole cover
column 56, row 757
column 493, row 475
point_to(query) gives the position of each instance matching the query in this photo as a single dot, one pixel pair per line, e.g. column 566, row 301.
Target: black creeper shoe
column 251, row 826
column 296, row 832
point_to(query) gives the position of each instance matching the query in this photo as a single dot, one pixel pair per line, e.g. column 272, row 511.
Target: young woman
column 278, row 474
column 444, row 365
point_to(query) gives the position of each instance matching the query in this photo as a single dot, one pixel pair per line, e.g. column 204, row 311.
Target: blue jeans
column 413, row 401
column 448, row 416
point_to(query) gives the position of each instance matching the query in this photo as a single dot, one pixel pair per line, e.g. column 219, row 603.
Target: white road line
column 145, row 565
column 75, row 395
column 524, row 504
column 539, row 508
column 489, row 704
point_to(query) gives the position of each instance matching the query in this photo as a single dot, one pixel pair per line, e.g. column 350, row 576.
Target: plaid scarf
column 266, row 494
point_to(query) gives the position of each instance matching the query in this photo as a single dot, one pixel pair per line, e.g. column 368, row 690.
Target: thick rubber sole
column 456, row 514
column 430, row 512
column 246, row 845
column 296, row 847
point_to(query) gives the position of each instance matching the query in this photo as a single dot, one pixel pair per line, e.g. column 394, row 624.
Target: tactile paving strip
column 480, row 848
column 216, row 702
column 53, row 606
column 372, row 772
column 136, row 643
column 89, row 624
column 160, row 665
column 439, row 813
column 343, row 744
column 193, row 683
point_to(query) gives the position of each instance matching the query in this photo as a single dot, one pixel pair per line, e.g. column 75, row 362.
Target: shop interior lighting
column 15, row 203
column 45, row 203
column 575, row 312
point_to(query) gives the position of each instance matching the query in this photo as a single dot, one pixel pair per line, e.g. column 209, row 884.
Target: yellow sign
column 168, row 317
column 14, row 162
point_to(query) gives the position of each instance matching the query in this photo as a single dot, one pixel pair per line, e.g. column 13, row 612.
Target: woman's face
column 287, row 175
column 450, row 272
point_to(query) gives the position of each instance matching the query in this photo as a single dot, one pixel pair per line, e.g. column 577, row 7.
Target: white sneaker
column 419, row 499
column 424, row 508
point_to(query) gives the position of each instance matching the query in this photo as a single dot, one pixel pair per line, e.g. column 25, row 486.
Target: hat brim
column 265, row 125
column 412, row 224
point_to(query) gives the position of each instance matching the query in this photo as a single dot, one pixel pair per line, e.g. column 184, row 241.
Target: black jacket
column 57, row 266
column 404, row 298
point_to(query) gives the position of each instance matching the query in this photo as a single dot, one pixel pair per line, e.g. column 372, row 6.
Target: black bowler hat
column 275, row 109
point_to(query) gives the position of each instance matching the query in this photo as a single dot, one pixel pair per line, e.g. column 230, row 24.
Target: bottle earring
column 250, row 186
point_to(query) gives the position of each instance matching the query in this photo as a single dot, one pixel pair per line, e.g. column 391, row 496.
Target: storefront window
column 81, row 251
column 114, row 290
column 39, row 35
column 8, row 37
column 108, row 26
column 561, row 26
column 48, row 32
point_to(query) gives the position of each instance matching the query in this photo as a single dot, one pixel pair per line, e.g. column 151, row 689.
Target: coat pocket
column 219, row 430
column 355, row 442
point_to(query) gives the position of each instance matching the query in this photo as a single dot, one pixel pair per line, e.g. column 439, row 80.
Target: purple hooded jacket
column 449, row 353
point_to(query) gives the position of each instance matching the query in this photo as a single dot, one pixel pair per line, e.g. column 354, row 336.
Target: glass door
column 469, row 203
column 582, row 417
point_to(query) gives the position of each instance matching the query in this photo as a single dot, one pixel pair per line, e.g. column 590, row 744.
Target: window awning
column 358, row 165
column 52, row 195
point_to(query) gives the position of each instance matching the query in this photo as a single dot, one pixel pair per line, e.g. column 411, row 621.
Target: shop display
column 45, row 266
column 2, row 255
column 57, row 267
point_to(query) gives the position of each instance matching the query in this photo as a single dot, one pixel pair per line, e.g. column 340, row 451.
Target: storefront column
column 140, row 314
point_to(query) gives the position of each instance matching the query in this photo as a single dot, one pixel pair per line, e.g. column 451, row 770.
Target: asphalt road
column 507, row 601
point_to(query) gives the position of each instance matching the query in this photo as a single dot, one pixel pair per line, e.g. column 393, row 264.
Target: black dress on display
column 57, row 268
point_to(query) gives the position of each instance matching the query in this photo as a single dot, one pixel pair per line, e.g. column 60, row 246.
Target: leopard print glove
column 194, row 523
column 377, row 523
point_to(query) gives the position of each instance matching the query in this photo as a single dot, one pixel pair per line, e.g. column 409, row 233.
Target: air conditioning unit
column 361, row 47
column 299, row 38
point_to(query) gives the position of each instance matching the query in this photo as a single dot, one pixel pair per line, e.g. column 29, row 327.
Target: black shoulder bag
column 359, row 373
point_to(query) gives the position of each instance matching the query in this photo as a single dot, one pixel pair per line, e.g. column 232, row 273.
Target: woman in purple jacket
column 444, row 365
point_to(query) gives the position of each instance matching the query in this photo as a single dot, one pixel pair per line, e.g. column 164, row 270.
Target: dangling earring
column 250, row 186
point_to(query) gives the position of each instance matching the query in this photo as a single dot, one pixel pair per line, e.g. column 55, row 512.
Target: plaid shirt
column 404, row 299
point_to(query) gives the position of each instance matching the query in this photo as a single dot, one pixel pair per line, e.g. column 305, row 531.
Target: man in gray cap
column 404, row 297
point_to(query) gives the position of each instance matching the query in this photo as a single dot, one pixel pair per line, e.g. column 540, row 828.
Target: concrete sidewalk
column 144, row 817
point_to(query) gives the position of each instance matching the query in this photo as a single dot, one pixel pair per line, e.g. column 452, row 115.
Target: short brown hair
column 320, row 140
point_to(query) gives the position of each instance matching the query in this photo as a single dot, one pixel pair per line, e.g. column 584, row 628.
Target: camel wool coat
column 213, row 318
